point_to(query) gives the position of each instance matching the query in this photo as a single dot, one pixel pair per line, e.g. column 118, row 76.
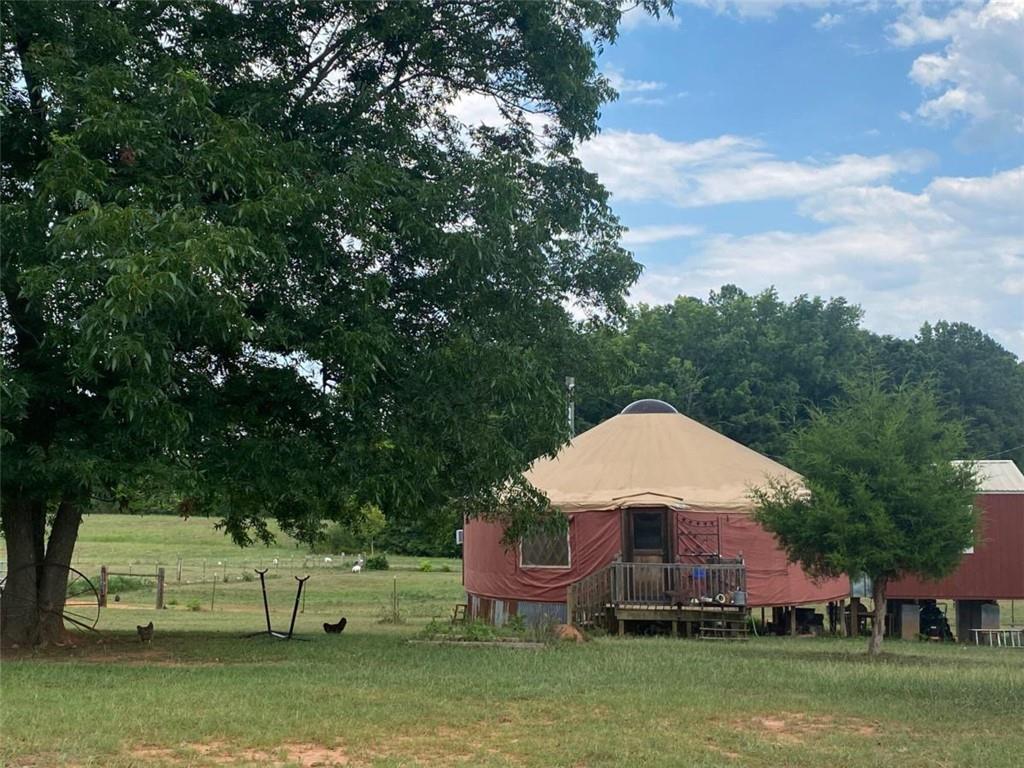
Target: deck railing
column 652, row 585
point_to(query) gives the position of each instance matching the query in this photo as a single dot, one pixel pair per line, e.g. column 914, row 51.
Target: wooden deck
column 694, row 600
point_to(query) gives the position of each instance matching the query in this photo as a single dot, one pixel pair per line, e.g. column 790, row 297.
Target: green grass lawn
column 202, row 695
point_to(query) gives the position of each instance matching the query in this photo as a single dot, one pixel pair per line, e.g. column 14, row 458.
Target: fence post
column 159, row 588
column 179, row 569
column 103, row 586
column 570, row 604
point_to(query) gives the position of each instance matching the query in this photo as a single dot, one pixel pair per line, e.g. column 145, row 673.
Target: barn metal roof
column 999, row 476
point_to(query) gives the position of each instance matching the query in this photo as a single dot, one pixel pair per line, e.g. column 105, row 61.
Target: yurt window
column 545, row 550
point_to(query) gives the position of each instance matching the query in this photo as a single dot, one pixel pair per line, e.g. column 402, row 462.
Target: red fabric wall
column 995, row 570
column 595, row 539
column 490, row 571
column 771, row 579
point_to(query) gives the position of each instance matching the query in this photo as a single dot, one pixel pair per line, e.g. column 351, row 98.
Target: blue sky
column 870, row 149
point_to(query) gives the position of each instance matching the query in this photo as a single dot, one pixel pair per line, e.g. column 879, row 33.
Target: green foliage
column 753, row 367
column 426, row 566
column 746, row 365
column 336, row 537
column 119, row 584
column 377, row 563
column 194, row 605
column 884, row 496
column 981, row 383
column 430, row 534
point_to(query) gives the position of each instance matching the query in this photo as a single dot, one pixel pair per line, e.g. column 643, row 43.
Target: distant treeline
column 751, row 366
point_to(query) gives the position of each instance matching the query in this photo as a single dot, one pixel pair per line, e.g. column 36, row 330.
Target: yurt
column 659, row 526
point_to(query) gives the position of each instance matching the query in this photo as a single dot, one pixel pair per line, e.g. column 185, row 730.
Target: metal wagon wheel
column 81, row 610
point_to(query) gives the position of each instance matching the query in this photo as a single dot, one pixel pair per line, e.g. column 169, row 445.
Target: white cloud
column 623, row 84
column 644, row 92
column 658, row 233
column 954, row 251
column 758, row 7
column 476, row 109
column 979, row 75
column 915, row 27
column 828, row 20
column 645, row 166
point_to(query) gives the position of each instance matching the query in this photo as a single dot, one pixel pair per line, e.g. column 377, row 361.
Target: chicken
column 335, row 629
column 145, row 633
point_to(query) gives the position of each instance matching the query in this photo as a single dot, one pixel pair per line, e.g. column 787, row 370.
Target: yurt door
column 647, row 539
column 647, row 544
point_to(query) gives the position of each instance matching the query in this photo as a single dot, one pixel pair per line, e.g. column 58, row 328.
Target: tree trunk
column 35, row 591
column 878, row 587
column 19, row 615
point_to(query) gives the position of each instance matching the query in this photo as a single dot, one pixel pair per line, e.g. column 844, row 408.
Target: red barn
column 994, row 569
column 659, row 526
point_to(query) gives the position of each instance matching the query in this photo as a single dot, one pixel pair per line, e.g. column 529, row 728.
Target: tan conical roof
column 662, row 458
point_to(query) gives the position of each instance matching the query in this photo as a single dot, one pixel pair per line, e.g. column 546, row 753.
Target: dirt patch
column 796, row 727
column 148, row 753
column 302, row 755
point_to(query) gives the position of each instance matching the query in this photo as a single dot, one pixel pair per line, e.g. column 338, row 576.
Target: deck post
column 792, row 621
column 675, row 628
column 622, row 628
column 570, row 604
column 854, row 616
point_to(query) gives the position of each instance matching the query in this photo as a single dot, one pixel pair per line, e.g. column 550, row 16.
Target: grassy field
column 203, row 695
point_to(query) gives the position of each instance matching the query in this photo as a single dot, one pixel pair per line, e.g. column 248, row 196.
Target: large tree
column 248, row 250
column 883, row 495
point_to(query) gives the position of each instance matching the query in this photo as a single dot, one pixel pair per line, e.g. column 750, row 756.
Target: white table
column 1008, row 638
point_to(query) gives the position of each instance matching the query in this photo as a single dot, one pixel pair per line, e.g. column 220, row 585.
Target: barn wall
column 995, row 571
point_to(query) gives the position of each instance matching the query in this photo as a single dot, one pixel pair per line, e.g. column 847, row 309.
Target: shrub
column 479, row 631
column 377, row 563
column 445, row 568
column 426, row 566
column 335, row 538
column 195, row 605
column 117, row 584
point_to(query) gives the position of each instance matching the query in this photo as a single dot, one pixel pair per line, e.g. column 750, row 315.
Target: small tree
column 371, row 524
column 882, row 494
